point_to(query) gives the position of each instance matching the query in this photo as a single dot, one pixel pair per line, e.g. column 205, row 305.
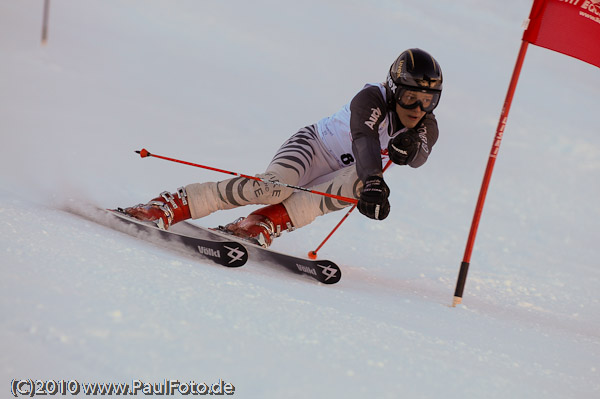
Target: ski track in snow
column 82, row 301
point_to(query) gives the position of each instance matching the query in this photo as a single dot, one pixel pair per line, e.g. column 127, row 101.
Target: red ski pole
column 144, row 153
column 313, row 254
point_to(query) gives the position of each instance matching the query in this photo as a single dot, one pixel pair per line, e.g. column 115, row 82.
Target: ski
column 324, row 271
column 229, row 253
column 215, row 245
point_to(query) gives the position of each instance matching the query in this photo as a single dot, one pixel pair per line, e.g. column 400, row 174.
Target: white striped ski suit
column 334, row 155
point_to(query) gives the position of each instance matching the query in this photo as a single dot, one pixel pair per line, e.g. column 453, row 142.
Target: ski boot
column 164, row 210
column 261, row 226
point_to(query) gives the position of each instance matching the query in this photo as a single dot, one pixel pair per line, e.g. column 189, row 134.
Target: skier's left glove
column 373, row 201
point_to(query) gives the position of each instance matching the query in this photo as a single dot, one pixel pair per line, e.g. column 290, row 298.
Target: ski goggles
column 411, row 98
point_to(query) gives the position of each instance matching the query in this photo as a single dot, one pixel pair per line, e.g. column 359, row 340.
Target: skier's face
column 409, row 117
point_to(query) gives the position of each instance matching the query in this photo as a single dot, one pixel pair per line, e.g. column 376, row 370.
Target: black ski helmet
column 414, row 69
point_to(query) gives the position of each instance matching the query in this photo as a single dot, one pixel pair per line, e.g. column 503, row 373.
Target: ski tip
column 312, row 255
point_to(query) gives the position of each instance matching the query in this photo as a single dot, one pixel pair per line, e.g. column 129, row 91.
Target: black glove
column 403, row 148
column 373, row 201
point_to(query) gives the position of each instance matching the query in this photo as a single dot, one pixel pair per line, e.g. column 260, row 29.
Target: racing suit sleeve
column 367, row 110
column 428, row 134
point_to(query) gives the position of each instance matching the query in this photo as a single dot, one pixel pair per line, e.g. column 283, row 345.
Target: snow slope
column 224, row 84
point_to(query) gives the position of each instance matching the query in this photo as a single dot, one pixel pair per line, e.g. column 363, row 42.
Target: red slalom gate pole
column 144, row 154
column 313, row 254
column 464, row 267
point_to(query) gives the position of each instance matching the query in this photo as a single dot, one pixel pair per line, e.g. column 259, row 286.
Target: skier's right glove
column 373, row 201
column 403, row 148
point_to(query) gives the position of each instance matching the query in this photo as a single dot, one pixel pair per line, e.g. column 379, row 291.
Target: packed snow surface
column 224, row 84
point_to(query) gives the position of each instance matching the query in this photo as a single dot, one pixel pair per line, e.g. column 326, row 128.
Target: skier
column 341, row 154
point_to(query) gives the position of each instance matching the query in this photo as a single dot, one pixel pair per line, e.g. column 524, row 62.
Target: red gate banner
column 571, row 27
